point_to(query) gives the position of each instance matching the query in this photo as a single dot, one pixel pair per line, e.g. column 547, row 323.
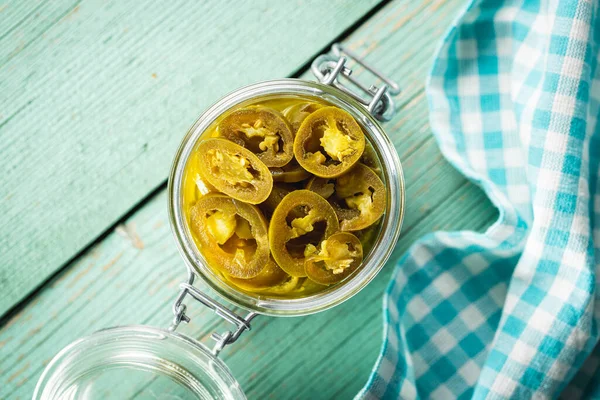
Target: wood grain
column 23, row 22
column 95, row 96
column 131, row 277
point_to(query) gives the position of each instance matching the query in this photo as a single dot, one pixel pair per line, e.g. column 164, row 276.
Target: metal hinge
column 221, row 339
column 328, row 68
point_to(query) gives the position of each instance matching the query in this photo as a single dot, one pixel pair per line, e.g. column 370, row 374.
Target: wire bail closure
column 328, row 68
column 222, row 339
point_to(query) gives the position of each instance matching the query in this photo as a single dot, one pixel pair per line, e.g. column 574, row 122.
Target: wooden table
column 95, row 96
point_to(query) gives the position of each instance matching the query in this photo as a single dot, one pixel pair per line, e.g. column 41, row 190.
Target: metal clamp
column 242, row 323
column 328, row 68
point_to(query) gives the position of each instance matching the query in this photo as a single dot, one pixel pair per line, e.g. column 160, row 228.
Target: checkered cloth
column 513, row 313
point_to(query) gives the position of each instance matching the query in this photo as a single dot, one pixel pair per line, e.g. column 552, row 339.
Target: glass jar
column 136, row 361
column 392, row 179
column 140, row 358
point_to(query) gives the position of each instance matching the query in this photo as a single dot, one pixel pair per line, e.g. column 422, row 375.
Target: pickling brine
column 283, row 197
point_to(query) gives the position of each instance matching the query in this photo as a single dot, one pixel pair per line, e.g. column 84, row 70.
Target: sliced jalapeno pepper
column 263, row 131
column 338, row 256
column 231, row 234
column 297, row 113
column 290, row 284
column 290, row 173
column 279, row 191
column 329, row 142
column 234, row 170
column 367, row 237
column 371, row 159
column 270, row 276
column 301, row 218
column 362, row 196
column 321, row 186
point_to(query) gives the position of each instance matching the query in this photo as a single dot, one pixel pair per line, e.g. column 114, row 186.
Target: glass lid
column 136, row 362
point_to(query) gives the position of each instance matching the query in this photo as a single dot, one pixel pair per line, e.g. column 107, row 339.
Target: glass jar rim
column 157, row 351
column 373, row 262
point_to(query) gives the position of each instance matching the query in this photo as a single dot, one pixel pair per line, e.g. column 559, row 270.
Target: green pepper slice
column 297, row 113
column 302, row 218
column 290, row 284
column 371, row 159
column 360, row 198
column 270, row 276
column 321, row 186
column 338, row 256
column 263, row 131
column 234, row 170
column 292, row 172
column 232, row 235
column 279, row 191
column 329, row 142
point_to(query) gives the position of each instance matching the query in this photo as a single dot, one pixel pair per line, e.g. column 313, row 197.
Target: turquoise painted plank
column 22, row 22
column 93, row 107
column 132, row 276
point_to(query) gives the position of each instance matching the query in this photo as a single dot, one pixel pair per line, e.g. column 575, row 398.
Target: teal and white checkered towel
column 513, row 313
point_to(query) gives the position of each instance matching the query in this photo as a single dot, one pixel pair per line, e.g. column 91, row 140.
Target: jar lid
column 137, row 362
